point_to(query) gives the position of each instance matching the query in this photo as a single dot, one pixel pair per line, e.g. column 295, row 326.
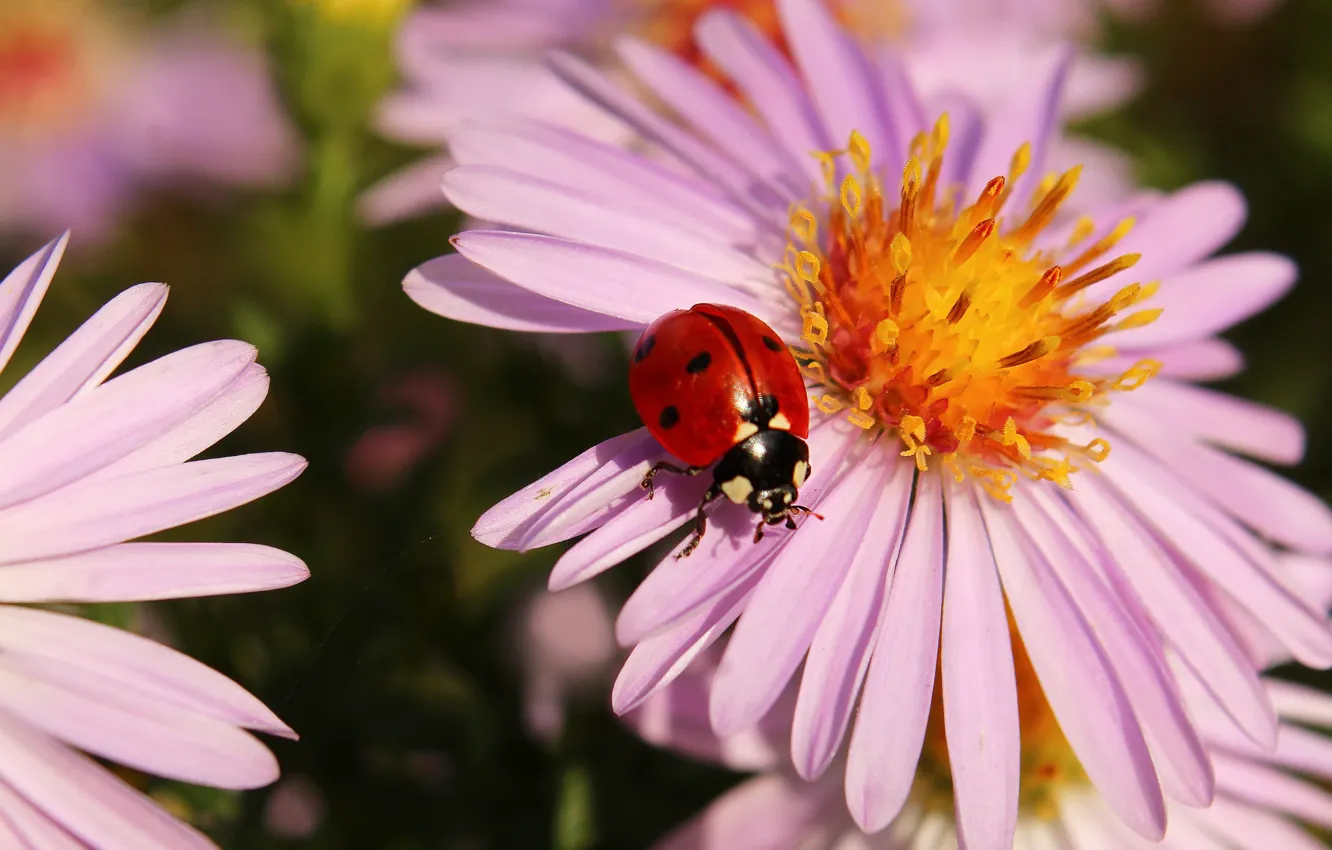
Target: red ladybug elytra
column 715, row 385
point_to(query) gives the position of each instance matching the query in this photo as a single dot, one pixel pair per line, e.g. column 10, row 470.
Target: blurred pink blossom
column 567, row 648
column 383, row 456
column 94, row 105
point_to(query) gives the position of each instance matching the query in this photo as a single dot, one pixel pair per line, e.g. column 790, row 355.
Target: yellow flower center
column 940, row 321
column 1048, row 765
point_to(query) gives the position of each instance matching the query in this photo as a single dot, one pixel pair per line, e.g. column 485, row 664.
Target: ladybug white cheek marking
column 801, row 470
column 737, row 489
column 780, row 422
column 744, row 431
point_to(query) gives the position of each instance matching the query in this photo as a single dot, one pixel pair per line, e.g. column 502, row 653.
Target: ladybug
column 717, row 388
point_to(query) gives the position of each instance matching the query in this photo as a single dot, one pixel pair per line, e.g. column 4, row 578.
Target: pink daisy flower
column 93, row 107
column 1259, row 792
column 985, row 436
column 91, row 463
column 483, row 59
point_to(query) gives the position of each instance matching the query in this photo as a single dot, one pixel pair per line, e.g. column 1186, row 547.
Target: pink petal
column 1138, row 662
column 505, row 523
column 771, row 812
column 133, row 730
column 1235, row 423
column 979, row 689
column 132, row 572
column 758, row 70
column 657, row 660
column 130, row 664
column 609, row 172
column 727, row 554
column 531, row 204
column 455, row 288
column 99, row 512
column 1248, row 828
column 1208, row 541
column 29, row 828
column 691, row 151
column 1077, row 678
column 406, row 193
column 1201, row 360
column 21, row 294
column 1177, row 610
column 840, row 651
column 1301, row 704
column 85, row 798
column 107, row 423
column 899, row 686
column 712, row 113
column 838, row 80
column 1273, row 790
column 86, row 357
column 775, row 631
column 1182, row 229
column 630, row 531
column 1212, row 296
column 202, row 429
column 614, row 283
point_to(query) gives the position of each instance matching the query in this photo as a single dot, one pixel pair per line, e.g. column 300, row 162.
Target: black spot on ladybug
column 644, row 348
column 701, row 361
column 670, row 417
column 772, row 344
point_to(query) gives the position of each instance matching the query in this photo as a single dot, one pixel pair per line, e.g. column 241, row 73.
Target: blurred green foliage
column 396, row 661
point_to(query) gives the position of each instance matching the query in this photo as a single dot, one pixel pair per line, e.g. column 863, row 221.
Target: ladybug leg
column 801, row 509
column 700, row 522
column 758, row 529
column 663, row 466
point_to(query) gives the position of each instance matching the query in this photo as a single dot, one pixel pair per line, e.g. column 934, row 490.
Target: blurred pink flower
column 568, row 648
column 1231, row 12
column 88, row 464
column 93, row 106
column 485, row 60
column 295, row 808
column 1258, row 793
column 383, row 456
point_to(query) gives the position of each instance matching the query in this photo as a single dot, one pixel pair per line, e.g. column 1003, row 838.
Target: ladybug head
column 765, row 472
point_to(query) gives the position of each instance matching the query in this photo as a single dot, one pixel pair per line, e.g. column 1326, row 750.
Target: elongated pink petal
column 456, row 288
column 1273, row 790
column 1235, row 423
column 979, row 688
column 1183, row 617
column 881, row 762
column 1300, row 703
column 32, row 828
column 1180, row 756
column 1211, row 296
column 602, row 280
column 109, row 422
column 727, row 553
column 21, row 294
column 630, row 531
column 128, row 663
column 837, row 77
column 528, row 203
column 86, row 357
column 202, row 429
column 1249, row 828
column 611, row 173
column 409, row 192
column 86, row 799
column 759, row 70
column 130, row 729
column 713, row 113
column 1077, row 678
column 1182, row 229
column 135, row 572
column 840, row 651
column 775, row 631
column 100, row 512
column 504, row 523
column 771, row 812
column 657, row 660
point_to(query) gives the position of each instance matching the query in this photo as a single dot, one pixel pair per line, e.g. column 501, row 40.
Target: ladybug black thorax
column 765, row 472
